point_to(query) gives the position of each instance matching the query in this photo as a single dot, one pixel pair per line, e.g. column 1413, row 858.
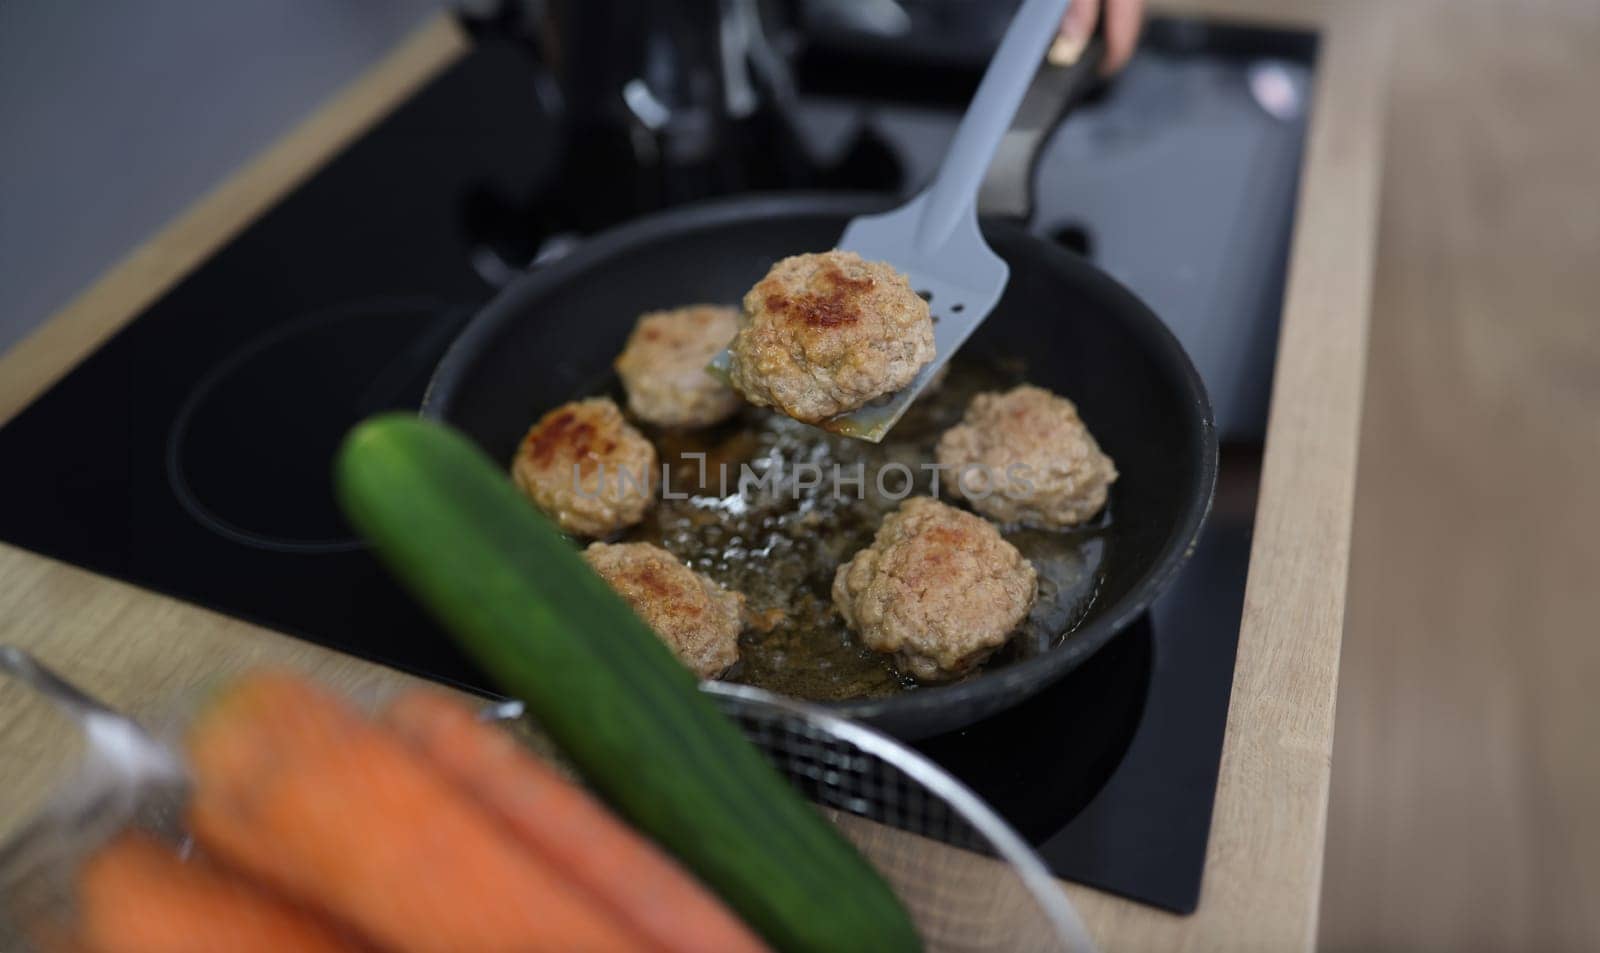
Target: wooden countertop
column 139, row 651
column 1466, row 763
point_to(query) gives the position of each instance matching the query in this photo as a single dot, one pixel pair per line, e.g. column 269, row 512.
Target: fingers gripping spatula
column 934, row 238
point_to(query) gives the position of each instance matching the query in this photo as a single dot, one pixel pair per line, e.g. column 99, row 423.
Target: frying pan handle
column 952, row 198
column 1007, row 190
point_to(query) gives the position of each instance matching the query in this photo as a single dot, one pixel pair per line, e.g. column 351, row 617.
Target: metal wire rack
column 917, row 825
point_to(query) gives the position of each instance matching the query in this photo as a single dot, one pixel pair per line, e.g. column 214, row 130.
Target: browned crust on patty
column 825, row 333
column 587, row 468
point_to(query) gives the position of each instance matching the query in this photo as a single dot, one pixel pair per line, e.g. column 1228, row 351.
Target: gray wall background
column 115, row 115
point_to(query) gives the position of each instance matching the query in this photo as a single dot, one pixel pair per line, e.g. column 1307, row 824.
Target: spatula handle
column 952, row 198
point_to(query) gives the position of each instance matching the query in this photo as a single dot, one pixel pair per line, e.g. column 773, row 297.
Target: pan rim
column 900, row 714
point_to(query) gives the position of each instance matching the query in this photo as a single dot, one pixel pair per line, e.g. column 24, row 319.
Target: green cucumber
column 520, row 600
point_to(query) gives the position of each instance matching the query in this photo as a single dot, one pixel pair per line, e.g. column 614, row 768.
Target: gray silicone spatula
column 934, row 239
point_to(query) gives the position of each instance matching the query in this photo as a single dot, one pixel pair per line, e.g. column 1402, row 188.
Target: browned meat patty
column 823, row 334
column 587, row 468
column 1026, row 457
column 663, row 366
column 938, row 589
column 698, row 619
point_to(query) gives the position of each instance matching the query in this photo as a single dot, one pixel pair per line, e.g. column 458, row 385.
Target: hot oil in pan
column 780, row 545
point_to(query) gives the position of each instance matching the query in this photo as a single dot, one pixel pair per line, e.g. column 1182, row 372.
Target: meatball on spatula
column 934, row 239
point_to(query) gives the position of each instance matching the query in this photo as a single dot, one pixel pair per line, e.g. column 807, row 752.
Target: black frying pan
column 551, row 335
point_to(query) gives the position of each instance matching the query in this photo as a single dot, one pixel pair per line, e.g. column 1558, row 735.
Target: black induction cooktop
column 190, row 455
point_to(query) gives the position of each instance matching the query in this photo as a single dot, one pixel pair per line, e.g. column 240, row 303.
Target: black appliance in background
column 190, row 453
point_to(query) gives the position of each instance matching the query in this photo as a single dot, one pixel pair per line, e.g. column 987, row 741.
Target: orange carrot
column 135, row 895
column 294, row 787
column 635, row 880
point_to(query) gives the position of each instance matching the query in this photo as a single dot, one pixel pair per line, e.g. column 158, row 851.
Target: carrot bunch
column 426, row 830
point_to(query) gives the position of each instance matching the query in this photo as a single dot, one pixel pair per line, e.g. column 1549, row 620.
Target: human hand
column 1124, row 19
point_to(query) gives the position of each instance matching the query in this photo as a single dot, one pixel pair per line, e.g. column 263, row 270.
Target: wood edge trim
column 158, row 263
